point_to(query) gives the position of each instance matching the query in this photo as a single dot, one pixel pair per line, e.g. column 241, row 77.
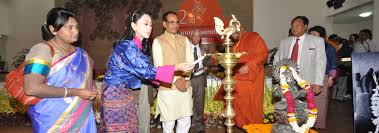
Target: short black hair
column 164, row 16
column 356, row 36
column 290, row 32
column 336, row 38
column 368, row 32
column 303, row 18
column 318, row 29
column 333, row 36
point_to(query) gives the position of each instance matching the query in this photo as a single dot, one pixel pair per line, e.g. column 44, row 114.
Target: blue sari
column 70, row 114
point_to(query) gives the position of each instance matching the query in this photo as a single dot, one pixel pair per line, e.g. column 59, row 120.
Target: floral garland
column 258, row 128
column 312, row 110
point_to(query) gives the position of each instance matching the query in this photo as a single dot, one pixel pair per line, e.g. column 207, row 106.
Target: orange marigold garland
column 263, row 128
column 258, row 128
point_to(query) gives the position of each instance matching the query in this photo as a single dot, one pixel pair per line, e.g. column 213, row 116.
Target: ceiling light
column 365, row 14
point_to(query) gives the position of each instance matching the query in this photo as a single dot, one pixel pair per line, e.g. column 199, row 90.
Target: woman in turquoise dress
column 127, row 67
column 60, row 74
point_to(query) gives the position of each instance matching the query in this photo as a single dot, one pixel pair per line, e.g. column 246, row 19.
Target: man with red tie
column 306, row 50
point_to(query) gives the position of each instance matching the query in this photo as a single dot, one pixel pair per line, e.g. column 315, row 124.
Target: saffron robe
column 249, row 88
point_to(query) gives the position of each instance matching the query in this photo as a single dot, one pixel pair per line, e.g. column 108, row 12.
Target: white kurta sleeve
column 157, row 53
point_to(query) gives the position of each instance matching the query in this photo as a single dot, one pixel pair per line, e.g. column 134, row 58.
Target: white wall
column 376, row 22
column 25, row 20
column 3, row 26
column 4, row 17
column 344, row 30
column 2, row 48
column 272, row 18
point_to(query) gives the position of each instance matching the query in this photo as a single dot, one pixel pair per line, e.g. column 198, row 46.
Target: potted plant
column 20, row 57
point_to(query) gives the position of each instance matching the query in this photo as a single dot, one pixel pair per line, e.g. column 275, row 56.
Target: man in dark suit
column 306, row 50
column 198, row 82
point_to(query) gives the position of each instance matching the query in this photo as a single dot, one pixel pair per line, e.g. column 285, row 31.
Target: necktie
column 295, row 50
column 195, row 56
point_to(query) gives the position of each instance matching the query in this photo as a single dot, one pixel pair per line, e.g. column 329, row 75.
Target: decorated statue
column 295, row 108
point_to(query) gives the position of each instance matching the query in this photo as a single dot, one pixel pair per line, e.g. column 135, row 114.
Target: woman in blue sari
column 127, row 67
column 61, row 74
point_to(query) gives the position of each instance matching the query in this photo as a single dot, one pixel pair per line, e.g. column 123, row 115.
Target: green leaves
column 9, row 104
column 20, row 57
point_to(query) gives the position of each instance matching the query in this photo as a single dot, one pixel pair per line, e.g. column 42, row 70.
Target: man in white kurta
column 171, row 48
column 365, row 43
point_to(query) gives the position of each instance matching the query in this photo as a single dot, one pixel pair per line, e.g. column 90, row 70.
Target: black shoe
column 201, row 131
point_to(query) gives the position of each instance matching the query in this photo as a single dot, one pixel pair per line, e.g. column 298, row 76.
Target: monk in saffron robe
column 249, row 76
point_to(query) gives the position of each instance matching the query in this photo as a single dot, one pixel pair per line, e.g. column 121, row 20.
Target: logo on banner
column 199, row 14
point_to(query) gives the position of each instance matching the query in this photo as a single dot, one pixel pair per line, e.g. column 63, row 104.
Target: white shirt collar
column 197, row 46
column 300, row 44
column 301, row 37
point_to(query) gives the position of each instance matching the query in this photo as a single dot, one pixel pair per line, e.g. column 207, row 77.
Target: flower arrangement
column 268, row 118
column 153, row 107
column 263, row 128
column 312, row 110
column 210, row 105
column 268, row 107
column 96, row 103
column 213, row 110
column 214, row 120
column 12, row 112
column 96, row 110
column 9, row 104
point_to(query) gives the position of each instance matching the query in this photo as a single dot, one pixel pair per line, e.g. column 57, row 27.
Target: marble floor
column 340, row 120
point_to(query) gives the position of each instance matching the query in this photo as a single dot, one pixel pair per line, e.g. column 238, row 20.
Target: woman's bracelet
column 65, row 92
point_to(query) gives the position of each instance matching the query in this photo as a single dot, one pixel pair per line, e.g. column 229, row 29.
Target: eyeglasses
column 172, row 22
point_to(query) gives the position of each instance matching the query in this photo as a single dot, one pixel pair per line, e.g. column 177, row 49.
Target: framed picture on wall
column 365, row 72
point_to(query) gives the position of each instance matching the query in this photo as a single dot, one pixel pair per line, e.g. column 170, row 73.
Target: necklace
column 64, row 50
